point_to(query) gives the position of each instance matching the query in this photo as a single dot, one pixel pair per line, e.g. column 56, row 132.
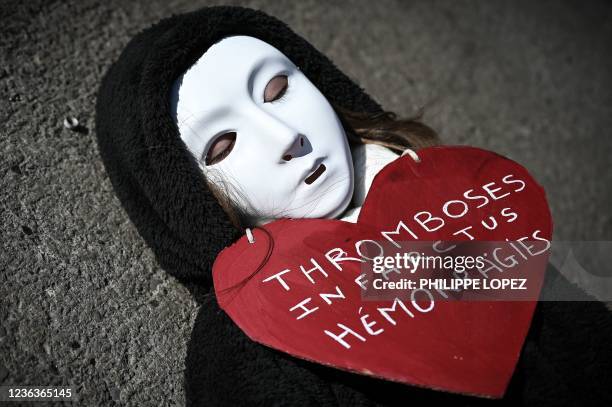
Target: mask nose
column 296, row 149
column 287, row 142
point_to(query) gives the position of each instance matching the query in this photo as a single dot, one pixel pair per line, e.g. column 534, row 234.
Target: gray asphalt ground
column 82, row 301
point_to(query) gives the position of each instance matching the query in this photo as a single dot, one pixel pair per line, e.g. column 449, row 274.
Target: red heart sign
column 299, row 287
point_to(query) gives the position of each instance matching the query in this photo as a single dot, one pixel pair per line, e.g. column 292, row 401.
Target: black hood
column 157, row 180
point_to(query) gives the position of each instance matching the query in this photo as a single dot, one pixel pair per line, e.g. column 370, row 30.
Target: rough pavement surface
column 82, row 300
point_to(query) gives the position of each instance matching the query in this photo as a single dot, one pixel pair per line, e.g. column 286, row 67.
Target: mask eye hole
column 276, row 88
column 220, row 148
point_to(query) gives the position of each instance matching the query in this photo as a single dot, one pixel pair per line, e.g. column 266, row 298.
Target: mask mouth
column 316, row 174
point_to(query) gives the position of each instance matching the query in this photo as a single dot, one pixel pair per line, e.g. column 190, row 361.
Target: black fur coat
column 566, row 359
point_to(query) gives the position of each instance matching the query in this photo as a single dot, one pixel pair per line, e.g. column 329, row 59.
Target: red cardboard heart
column 299, row 287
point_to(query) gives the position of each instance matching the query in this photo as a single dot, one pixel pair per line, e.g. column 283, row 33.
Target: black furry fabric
column 566, row 359
column 156, row 179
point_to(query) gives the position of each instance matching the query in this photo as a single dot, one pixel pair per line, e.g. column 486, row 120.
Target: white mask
column 263, row 133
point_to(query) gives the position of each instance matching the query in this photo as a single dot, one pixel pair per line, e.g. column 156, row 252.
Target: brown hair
column 383, row 128
column 386, row 129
